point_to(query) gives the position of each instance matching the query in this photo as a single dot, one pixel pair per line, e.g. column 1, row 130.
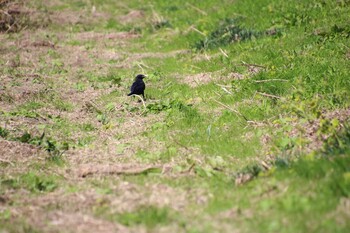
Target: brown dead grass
column 111, row 156
column 306, row 132
column 309, row 130
column 105, row 36
column 11, row 151
column 198, row 79
column 132, row 16
column 205, row 78
column 17, row 15
column 12, row 16
column 105, row 149
column 117, row 169
column 59, row 211
column 77, row 222
column 64, row 221
column 26, row 89
column 83, row 17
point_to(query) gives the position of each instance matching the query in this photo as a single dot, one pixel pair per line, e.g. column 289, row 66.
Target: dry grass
column 11, row 152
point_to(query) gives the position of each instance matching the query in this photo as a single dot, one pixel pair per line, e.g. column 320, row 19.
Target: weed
column 6, row 97
column 227, row 32
column 37, row 183
column 54, row 148
column 19, row 225
column 32, row 181
column 165, row 105
column 111, row 77
column 149, row 216
column 5, row 214
column 3, row 132
column 339, row 140
column 103, row 118
column 11, row 18
column 161, row 24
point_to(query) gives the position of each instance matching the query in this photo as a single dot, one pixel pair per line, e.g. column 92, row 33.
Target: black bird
column 138, row 87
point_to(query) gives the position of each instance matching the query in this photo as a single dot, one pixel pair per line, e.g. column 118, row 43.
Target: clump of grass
column 338, row 142
column 15, row 17
column 31, row 181
column 159, row 22
column 227, row 32
column 112, row 77
column 334, row 31
column 12, row 18
column 54, row 148
column 3, row 132
column 149, row 216
column 167, row 104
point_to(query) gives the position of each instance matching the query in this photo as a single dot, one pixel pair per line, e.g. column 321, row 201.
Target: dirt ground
column 36, row 58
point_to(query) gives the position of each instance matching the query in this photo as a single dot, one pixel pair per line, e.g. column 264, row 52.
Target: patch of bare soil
column 124, row 197
column 27, row 87
column 18, row 125
column 51, row 211
column 17, row 151
column 17, row 15
column 105, row 36
column 108, row 149
column 68, row 17
column 81, row 201
column 77, row 57
column 117, row 169
column 132, row 16
column 77, row 222
column 205, row 78
column 309, row 130
column 131, row 197
column 63, row 221
column 235, row 76
column 198, row 79
column 12, row 16
column 253, row 68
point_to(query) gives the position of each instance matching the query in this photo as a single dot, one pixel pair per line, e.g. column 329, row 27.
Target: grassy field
column 246, row 126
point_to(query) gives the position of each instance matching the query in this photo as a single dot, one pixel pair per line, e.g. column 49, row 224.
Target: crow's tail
column 130, row 94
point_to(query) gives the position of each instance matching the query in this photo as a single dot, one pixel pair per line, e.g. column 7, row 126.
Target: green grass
column 31, row 181
column 149, row 216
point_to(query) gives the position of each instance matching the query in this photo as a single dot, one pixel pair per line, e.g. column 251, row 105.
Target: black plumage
column 138, row 87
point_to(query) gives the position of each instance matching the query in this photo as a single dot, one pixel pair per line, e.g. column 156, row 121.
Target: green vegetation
column 149, row 216
column 246, row 125
column 32, row 182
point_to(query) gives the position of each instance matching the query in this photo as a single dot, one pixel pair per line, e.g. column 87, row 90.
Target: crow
column 138, row 87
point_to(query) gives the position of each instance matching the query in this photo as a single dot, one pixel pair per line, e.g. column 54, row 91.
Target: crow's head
column 140, row 76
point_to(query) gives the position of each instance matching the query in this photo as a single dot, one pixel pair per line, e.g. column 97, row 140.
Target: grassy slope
column 310, row 51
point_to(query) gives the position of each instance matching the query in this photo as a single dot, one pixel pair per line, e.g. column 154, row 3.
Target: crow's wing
column 138, row 87
column 133, row 87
